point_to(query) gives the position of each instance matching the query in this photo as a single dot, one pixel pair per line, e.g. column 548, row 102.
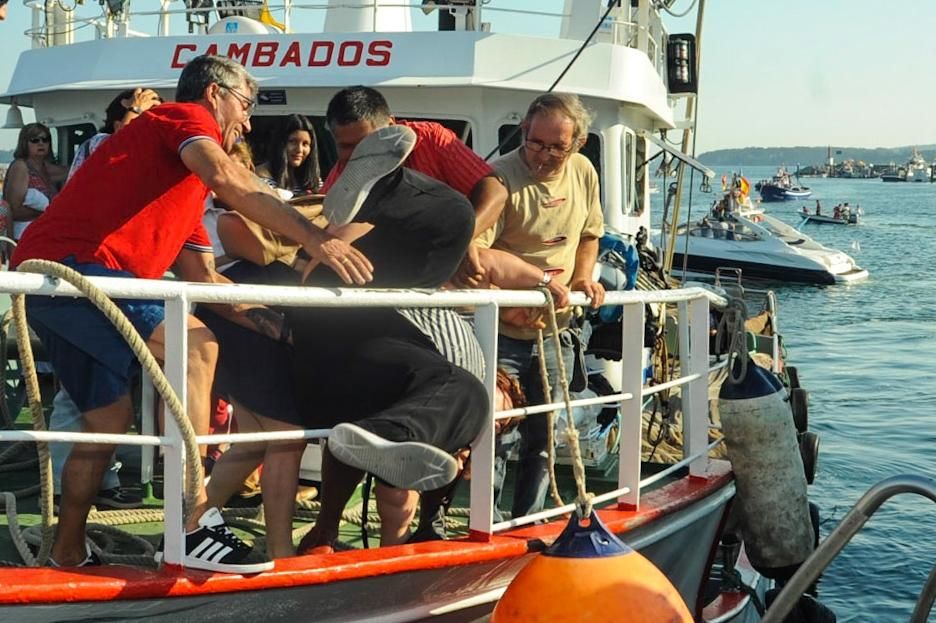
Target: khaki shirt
column 544, row 222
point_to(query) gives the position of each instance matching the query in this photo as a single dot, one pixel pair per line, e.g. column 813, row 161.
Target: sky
column 799, row 72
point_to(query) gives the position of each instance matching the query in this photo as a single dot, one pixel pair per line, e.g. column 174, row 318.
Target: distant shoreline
column 812, row 156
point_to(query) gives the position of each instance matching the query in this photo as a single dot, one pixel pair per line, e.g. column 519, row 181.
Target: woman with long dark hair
column 293, row 158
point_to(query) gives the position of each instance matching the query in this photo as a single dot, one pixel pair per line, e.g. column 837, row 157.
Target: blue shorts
column 90, row 358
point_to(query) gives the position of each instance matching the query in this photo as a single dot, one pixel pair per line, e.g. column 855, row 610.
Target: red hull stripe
column 46, row 585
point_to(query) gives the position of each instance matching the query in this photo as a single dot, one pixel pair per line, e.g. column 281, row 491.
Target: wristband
column 136, row 109
column 545, row 281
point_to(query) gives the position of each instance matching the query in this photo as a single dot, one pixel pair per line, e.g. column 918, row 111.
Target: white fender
column 761, row 440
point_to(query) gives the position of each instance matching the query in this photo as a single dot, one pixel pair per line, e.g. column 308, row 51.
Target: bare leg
column 81, row 479
column 202, row 358
column 338, row 484
column 278, row 482
column 396, row 508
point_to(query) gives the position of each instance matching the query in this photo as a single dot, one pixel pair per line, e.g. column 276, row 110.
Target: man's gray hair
column 203, row 70
column 566, row 104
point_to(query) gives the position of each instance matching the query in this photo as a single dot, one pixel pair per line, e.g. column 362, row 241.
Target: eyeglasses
column 552, row 150
column 249, row 104
column 39, row 139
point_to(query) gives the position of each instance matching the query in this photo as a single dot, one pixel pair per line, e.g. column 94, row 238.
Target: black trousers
column 374, row 368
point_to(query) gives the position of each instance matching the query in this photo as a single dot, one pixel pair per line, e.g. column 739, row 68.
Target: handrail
column 693, row 333
column 850, row 525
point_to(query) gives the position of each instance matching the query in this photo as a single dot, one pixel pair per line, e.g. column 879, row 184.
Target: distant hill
column 805, row 156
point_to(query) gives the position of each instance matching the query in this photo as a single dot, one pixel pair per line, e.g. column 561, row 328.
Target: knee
column 203, row 349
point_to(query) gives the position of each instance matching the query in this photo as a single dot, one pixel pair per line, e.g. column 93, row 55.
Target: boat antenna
column 612, row 4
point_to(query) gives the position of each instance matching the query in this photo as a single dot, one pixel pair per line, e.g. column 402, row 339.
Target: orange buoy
column 589, row 574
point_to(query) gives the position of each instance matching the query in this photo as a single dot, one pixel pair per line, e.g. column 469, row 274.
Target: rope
column 193, row 464
column 193, row 474
column 550, row 422
column 731, row 331
column 583, row 500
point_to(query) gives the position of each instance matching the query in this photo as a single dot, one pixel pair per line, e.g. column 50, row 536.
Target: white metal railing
column 693, row 333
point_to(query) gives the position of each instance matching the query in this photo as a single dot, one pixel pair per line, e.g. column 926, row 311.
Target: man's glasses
column 249, row 104
column 39, row 139
column 552, row 150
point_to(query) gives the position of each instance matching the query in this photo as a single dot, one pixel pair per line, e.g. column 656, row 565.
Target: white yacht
column 764, row 247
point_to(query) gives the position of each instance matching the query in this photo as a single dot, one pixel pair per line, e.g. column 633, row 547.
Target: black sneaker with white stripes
column 214, row 547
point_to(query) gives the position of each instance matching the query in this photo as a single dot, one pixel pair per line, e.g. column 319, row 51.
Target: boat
column 477, row 81
column 742, row 235
column 781, row 188
column 842, row 214
column 916, row 169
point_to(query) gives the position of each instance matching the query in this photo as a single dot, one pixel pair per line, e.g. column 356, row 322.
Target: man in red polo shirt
column 355, row 112
column 134, row 210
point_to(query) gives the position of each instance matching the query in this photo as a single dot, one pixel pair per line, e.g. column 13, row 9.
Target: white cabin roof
column 411, row 59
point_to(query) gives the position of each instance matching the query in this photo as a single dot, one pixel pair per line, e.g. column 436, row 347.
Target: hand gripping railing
column 856, row 518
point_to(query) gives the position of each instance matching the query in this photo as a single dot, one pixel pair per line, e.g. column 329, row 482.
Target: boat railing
column 55, row 23
column 693, row 365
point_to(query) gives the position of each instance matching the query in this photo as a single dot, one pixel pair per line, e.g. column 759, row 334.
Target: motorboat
column 781, row 188
column 842, row 215
column 762, row 246
column 477, row 79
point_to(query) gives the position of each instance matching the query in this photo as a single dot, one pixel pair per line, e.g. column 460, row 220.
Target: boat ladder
column 856, row 518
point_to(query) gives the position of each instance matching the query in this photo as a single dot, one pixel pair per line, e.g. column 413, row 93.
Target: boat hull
column 680, row 543
column 772, row 193
column 755, row 270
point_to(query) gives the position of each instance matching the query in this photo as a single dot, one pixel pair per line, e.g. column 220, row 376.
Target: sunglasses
column 39, row 139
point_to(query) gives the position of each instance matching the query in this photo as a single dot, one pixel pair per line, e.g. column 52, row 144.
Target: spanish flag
column 745, row 186
column 267, row 18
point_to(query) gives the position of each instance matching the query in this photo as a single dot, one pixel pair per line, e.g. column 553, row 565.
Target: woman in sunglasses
column 33, row 178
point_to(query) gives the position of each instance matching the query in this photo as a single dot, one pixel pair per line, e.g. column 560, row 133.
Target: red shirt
column 133, row 204
column 438, row 154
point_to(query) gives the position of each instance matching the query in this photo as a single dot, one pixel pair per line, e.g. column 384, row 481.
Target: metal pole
column 481, row 521
column 843, row 533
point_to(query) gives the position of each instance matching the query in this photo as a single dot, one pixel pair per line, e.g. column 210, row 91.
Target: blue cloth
column 520, row 358
column 92, row 361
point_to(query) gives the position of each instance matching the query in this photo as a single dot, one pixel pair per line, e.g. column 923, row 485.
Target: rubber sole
column 207, row 565
column 407, row 464
column 379, row 154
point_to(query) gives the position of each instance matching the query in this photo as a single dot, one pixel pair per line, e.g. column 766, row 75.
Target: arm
column 14, row 191
column 509, row 272
column 585, row 257
column 238, row 188
column 488, row 197
column 200, row 267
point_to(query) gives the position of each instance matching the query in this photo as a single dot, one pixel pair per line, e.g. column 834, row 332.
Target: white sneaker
column 214, row 547
column 379, row 154
column 404, row 464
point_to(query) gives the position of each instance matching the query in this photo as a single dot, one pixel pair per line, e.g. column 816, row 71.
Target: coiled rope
column 193, row 466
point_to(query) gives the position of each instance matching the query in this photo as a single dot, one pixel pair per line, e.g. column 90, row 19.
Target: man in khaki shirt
column 552, row 221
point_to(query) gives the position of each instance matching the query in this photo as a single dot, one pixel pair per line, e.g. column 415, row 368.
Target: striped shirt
column 438, row 154
column 451, row 334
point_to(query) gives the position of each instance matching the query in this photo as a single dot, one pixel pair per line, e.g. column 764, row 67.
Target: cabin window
column 69, row 137
column 628, row 163
column 640, row 175
column 591, row 150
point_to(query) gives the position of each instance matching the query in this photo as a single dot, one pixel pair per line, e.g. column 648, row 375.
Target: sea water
column 867, row 354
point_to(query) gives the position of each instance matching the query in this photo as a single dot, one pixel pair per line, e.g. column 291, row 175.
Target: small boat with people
column 842, row 214
column 676, row 487
column 737, row 233
column 781, row 188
